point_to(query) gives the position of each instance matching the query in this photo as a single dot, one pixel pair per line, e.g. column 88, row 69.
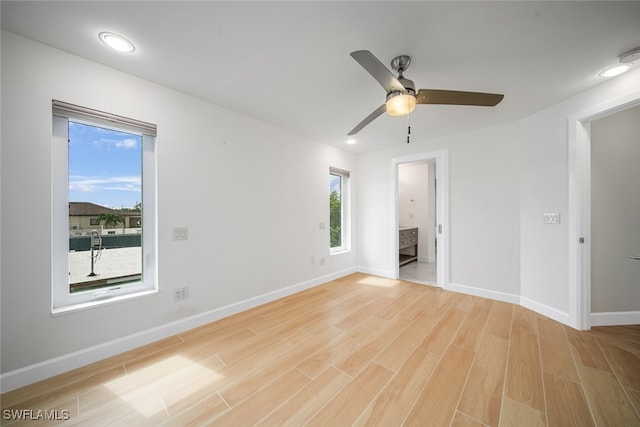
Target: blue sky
column 334, row 183
column 105, row 166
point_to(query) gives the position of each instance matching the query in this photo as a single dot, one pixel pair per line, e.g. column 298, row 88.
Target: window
column 338, row 210
column 104, row 189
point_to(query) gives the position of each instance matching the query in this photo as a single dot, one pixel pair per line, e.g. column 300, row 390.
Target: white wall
column 544, row 187
column 252, row 196
column 484, row 207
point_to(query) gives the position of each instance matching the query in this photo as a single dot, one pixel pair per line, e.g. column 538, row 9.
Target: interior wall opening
column 417, row 242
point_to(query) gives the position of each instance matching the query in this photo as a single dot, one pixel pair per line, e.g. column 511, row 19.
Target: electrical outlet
column 181, row 294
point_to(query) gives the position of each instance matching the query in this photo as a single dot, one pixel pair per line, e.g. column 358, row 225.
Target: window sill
column 339, row 252
column 58, row 311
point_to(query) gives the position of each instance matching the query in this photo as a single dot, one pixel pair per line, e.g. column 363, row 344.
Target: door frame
column 579, row 146
column 441, row 158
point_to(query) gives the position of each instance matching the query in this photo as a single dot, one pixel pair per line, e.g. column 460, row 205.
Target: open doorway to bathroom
column 417, row 213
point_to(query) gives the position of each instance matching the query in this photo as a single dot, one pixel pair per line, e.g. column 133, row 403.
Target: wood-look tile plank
column 436, row 405
column 566, row 404
column 420, row 304
column 482, row 395
column 608, row 401
column 273, row 365
column 295, row 318
column 196, row 390
column 393, row 404
column 585, row 350
column 499, row 320
column 524, row 374
column 261, row 403
column 626, row 337
column 349, row 342
column 400, row 304
column 308, row 401
column 634, row 398
column 515, row 414
column 224, row 325
column 197, row 414
column 351, row 401
column 443, row 332
column 260, row 342
column 554, row 350
column 462, row 420
column 371, row 309
column 524, row 320
column 113, row 390
column 472, row 328
column 44, row 398
column 353, row 362
column 398, row 350
column 625, row 364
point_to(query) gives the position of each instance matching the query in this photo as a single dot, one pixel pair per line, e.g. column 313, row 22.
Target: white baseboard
column 375, row 272
column 484, row 293
column 545, row 310
column 49, row 368
column 615, row 318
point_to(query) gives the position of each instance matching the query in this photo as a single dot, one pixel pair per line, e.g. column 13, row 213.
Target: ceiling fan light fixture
column 116, row 42
column 400, row 104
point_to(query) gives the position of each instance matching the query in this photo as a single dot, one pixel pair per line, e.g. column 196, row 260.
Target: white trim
column 442, row 215
column 376, row 272
column 484, row 293
column 545, row 310
column 48, row 368
column 616, row 318
column 62, row 300
column 579, row 147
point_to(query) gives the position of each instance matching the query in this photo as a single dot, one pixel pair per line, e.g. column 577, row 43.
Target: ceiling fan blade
column 456, row 97
column 377, row 69
column 371, row 117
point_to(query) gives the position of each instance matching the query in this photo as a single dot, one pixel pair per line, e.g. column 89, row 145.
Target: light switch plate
column 180, row 233
column 551, row 218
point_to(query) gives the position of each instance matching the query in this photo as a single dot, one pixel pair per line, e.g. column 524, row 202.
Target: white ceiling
column 288, row 63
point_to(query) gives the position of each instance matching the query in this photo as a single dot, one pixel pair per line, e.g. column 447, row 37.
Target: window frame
column 345, row 203
column 62, row 300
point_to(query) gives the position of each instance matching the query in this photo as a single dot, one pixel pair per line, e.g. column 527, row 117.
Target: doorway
column 615, row 218
column 582, row 312
column 420, row 253
column 417, row 246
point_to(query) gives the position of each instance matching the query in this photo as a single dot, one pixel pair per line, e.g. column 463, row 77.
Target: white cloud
column 92, row 184
column 127, row 143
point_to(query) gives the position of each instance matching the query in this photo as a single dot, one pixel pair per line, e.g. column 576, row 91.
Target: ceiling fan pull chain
column 408, row 127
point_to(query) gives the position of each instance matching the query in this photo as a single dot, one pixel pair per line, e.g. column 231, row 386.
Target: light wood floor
column 361, row 351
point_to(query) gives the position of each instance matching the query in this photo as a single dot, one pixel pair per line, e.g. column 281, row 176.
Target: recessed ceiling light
column 616, row 70
column 351, row 141
column 116, row 42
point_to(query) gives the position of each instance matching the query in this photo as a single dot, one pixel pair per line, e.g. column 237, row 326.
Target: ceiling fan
column 402, row 96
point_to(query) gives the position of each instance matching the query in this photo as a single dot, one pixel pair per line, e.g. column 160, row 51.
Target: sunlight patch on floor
column 379, row 281
column 159, row 380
